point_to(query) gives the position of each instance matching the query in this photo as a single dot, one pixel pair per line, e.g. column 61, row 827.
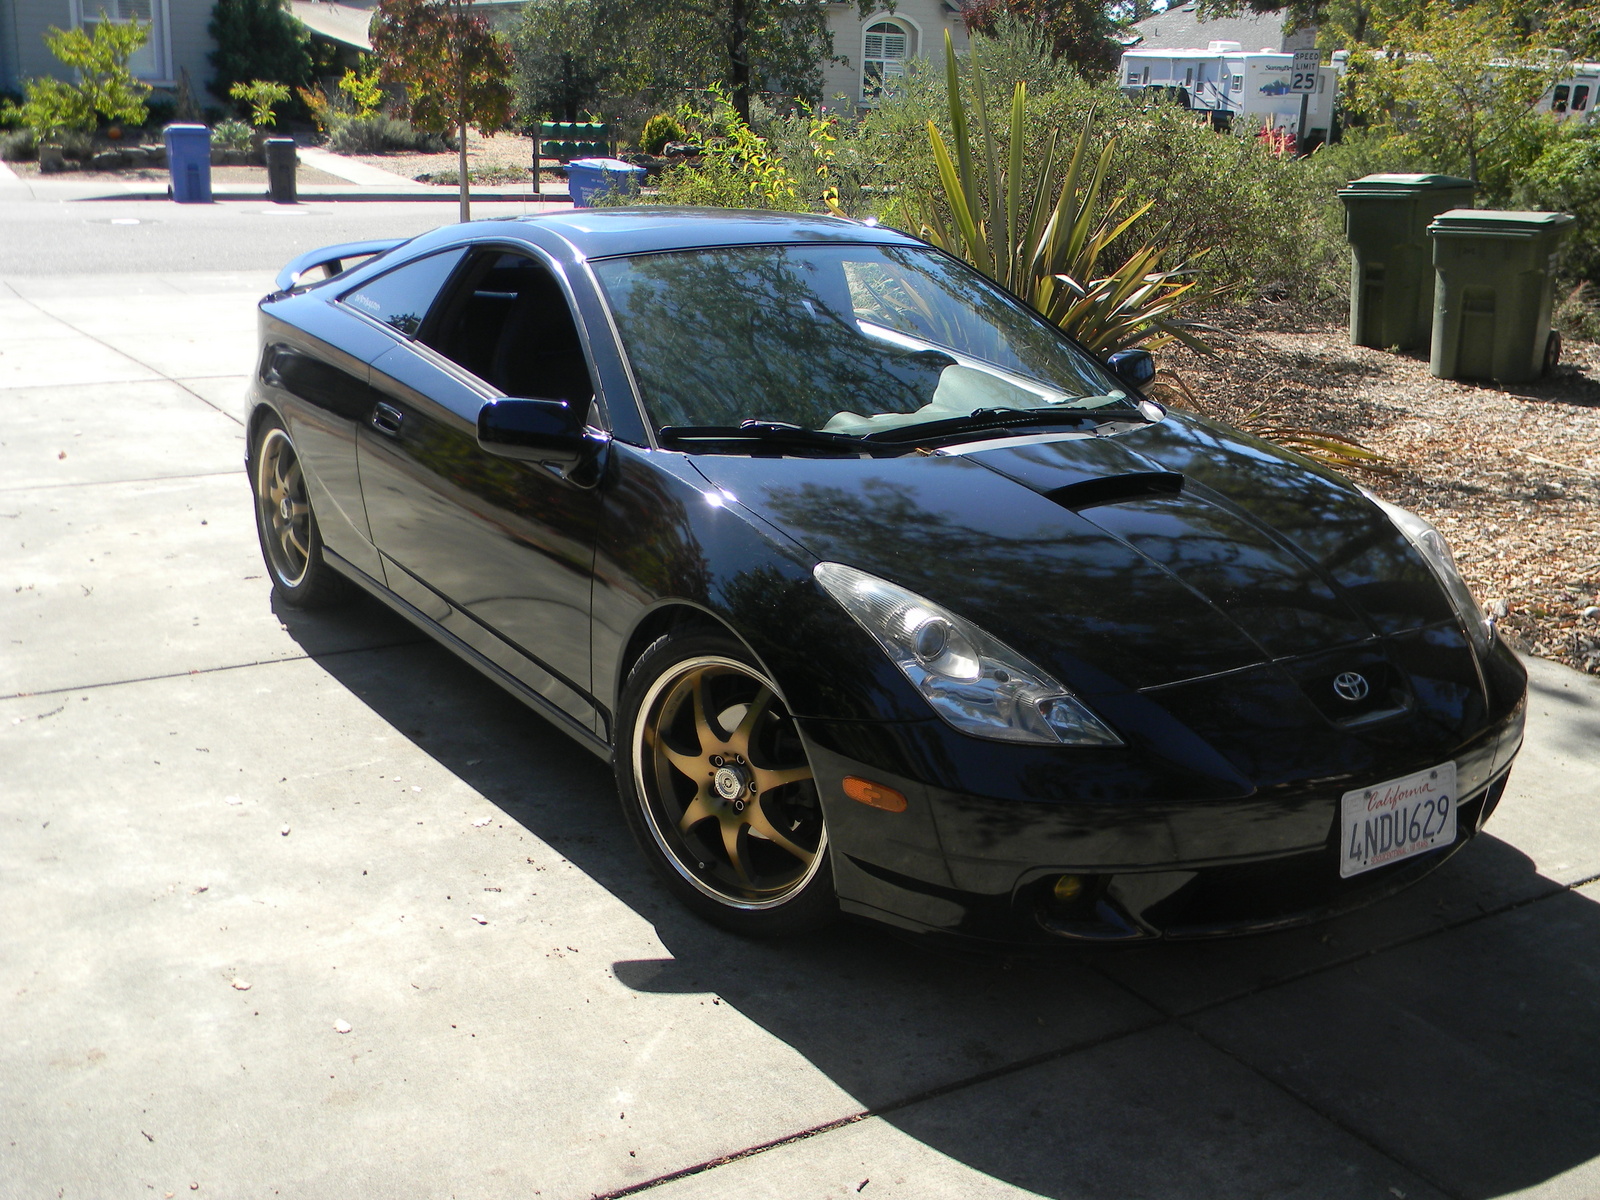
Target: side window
column 1580, row 97
column 1559, row 104
column 508, row 322
column 401, row 298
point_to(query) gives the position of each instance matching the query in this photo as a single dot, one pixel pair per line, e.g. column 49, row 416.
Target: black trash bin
column 281, row 164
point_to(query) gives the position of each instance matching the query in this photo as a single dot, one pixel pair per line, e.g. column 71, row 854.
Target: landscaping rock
column 108, row 160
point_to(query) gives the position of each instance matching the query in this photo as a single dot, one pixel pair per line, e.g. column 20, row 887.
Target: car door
column 498, row 552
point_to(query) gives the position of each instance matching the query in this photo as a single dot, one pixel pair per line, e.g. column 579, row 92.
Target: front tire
column 716, row 786
column 291, row 543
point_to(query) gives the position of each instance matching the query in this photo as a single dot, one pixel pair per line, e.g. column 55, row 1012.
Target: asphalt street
column 302, row 906
column 103, row 237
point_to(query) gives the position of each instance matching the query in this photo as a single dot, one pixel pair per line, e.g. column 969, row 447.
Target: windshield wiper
column 779, row 434
column 988, row 419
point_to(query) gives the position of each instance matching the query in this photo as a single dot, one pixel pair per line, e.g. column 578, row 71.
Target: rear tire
column 291, row 543
column 717, row 789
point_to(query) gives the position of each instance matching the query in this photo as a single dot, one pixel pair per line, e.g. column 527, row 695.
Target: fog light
column 1067, row 888
column 874, row 795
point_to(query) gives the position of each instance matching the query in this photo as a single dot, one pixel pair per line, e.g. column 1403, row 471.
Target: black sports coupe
column 880, row 595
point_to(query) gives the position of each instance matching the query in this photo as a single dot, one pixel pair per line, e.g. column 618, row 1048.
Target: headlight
column 974, row 682
column 1436, row 551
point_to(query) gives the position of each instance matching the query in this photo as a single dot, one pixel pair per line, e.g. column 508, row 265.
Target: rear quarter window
column 401, row 298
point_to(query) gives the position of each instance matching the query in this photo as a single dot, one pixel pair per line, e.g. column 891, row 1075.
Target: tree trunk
column 461, row 143
column 738, row 43
column 466, row 200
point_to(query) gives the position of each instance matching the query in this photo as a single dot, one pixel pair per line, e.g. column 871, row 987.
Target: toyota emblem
column 1350, row 686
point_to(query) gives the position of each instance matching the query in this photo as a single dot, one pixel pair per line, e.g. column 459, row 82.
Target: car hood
column 1155, row 555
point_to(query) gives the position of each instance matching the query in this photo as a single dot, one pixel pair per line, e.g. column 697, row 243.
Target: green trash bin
column 1391, row 267
column 1495, row 284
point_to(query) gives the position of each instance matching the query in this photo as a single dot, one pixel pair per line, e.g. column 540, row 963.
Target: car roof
column 602, row 232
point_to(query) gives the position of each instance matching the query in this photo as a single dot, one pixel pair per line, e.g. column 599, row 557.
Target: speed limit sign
column 1303, row 75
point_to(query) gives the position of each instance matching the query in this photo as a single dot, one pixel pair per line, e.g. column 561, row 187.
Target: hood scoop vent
column 1114, row 489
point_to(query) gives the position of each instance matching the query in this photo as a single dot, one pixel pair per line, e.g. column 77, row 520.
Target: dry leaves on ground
column 1510, row 474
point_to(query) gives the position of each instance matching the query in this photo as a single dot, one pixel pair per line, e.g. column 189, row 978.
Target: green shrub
column 262, row 95
column 105, row 89
column 18, row 145
column 485, row 176
column 658, row 131
column 1223, row 196
column 374, row 134
column 257, row 39
column 232, row 135
column 1566, row 178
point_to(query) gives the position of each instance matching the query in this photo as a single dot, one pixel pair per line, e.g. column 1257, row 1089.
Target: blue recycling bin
column 590, row 177
column 189, row 161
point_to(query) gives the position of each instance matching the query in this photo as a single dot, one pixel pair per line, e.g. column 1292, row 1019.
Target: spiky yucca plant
column 1044, row 242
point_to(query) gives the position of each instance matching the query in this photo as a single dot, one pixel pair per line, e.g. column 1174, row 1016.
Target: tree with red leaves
column 454, row 68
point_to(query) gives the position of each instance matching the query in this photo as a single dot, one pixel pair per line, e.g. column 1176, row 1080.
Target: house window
column 883, row 58
column 150, row 60
column 1238, row 83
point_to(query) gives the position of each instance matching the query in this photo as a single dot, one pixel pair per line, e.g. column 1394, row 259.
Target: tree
column 572, row 55
column 1078, row 31
column 257, row 39
column 1458, row 86
column 106, row 87
column 454, row 69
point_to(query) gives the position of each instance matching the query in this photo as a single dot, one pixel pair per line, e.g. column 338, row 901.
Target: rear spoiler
column 332, row 259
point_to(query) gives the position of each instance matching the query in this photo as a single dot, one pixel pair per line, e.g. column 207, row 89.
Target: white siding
column 924, row 22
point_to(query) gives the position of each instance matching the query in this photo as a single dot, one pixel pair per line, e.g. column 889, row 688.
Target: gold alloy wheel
column 282, row 509
column 724, row 783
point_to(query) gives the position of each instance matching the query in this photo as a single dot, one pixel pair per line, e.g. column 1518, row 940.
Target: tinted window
column 1580, row 97
column 401, row 298
column 843, row 338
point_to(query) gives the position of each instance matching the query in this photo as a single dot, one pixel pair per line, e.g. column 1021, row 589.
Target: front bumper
column 1227, row 857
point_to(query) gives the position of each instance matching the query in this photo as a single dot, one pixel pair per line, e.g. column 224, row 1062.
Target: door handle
column 386, row 419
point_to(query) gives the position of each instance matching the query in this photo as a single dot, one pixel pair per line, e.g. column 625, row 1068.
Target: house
column 1181, row 25
column 873, row 51
column 178, row 39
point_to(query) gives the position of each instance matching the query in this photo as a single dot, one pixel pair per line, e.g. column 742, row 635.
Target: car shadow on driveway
column 1440, row 1042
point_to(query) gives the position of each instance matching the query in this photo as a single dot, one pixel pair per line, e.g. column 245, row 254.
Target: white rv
column 1576, row 94
column 1242, row 90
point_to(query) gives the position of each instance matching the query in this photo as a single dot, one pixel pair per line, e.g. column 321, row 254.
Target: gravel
column 1510, row 474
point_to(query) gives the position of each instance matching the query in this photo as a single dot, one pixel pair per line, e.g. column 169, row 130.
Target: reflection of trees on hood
column 716, row 337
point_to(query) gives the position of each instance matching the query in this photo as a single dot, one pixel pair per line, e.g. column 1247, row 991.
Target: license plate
column 1391, row 821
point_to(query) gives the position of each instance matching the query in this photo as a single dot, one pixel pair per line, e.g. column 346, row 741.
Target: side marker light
column 874, row 795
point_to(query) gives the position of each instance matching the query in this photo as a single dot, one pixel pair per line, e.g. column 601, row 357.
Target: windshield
column 851, row 339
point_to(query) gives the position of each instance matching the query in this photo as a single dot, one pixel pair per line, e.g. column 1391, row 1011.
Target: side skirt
column 451, row 642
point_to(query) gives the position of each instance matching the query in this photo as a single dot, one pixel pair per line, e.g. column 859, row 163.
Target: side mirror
column 1134, row 367
column 543, row 431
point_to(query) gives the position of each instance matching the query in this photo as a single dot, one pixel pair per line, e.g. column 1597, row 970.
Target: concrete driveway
column 230, row 833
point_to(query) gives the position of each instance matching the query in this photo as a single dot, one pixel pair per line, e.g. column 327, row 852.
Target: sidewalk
column 366, row 183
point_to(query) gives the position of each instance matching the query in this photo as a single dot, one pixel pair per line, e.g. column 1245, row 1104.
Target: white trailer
column 1242, row 90
column 1576, row 95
